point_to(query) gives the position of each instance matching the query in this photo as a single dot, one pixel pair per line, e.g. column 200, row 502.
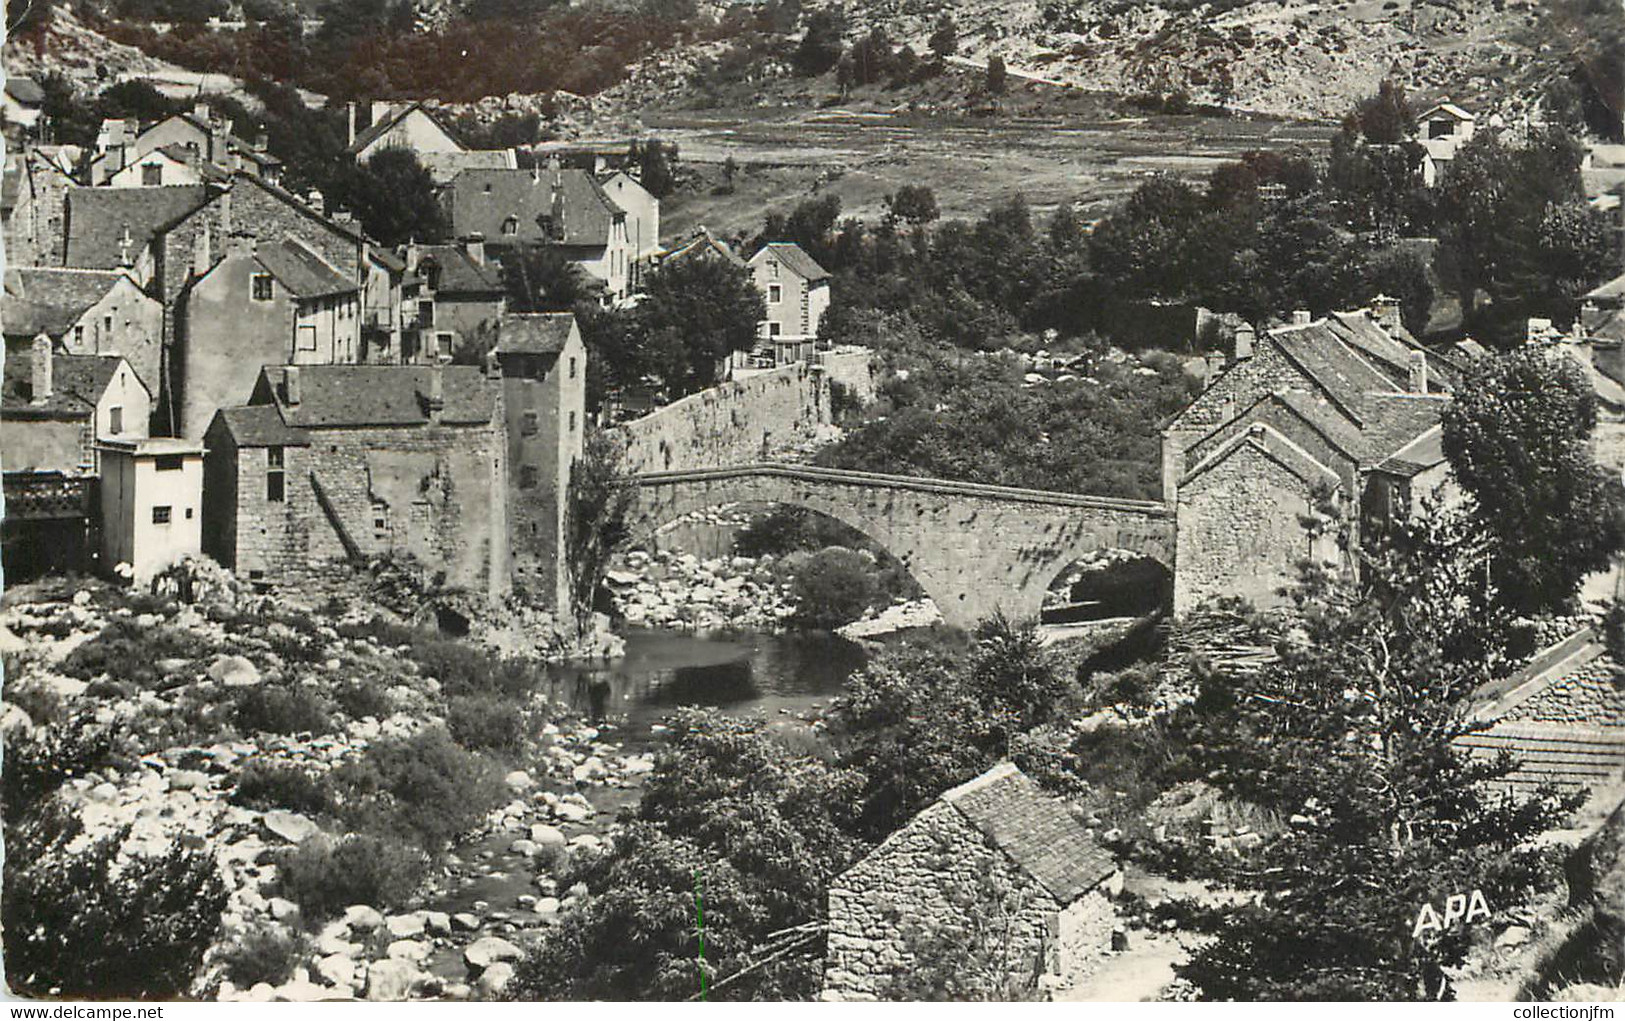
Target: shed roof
column 1035, row 830
column 98, row 219
column 347, row 396
column 794, row 258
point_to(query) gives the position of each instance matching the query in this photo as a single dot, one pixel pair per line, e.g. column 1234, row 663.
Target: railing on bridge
column 876, row 480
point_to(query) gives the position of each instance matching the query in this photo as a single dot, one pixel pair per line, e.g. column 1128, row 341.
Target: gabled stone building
column 996, row 831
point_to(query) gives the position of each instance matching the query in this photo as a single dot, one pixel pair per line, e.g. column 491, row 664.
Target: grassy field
column 1048, row 144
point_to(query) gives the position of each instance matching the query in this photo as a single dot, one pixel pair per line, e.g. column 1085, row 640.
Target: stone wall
column 1590, row 696
column 906, row 888
column 852, row 368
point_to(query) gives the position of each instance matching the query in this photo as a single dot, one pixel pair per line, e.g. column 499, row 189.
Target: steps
column 1566, row 756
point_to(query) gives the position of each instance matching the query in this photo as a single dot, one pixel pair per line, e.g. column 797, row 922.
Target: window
column 773, row 270
column 572, row 368
column 426, row 314
column 107, row 326
column 115, row 420
column 443, row 346
column 773, row 329
column 305, row 337
column 775, row 293
column 152, row 175
column 572, row 421
column 262, row 287
column 160, row 515
column 510, row 226
column 169, row 463
column 79, row 336
column 275, row 491
column 528, row 476
column 380, row 520
column 189, row 514
column 527, row 424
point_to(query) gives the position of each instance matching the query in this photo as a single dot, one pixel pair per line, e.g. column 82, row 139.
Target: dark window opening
column 169, row 462
column 160, row 515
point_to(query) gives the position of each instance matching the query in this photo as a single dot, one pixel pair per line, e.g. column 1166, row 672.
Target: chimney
column 1537, row 330
column 413, row 255
column 474, row 246
column 201, row 111
column 220, row 143
column 1419, row 372
column 493, row 364
column 349, row 115
column 290, row 386
column 240, row 244
column 262, row 141
column 381, row 109
column 40, row 368
column 202, row 253
column 1302, row 317
column 1245, row 337
column 435, row 402
column 1215, row 365
column 315, row 201
column 1385, row 311
column 125, row 259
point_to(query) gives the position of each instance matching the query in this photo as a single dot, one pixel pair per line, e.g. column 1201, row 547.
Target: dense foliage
column 393, row 198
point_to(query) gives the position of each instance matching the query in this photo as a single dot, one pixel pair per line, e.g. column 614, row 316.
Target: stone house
column 1303, row 417
column 32, row 199
column 56, row 407
column 1442, row 129
column 703, row 245
column 202, row 133
column 796, row 290
column 996, row 831
column 86, row 312
column 151, row 503
column 328, row 462
column 451, row 294
column 565, row 208
column 262, row 303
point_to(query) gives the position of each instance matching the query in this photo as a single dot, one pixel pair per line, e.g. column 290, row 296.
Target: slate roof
column 49, row 300
column 1390, row 349
column 460, row 274
column 1275, row 445
column 536, row 333
column 260, row 425
column 794, row 259
column 1330, row 363
column 1035, row 830
column 1417, row 456
column 703, row 246
column 483, row 200
column 302, row 271
column 445, row 166
column 98, row 217
column 77, row 383
column 347, row 396
column 1393, row 420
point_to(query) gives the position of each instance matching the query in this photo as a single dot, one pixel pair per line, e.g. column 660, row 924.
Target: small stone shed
column 999, row 826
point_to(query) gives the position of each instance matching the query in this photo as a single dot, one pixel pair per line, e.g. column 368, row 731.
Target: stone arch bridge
column 974, row 549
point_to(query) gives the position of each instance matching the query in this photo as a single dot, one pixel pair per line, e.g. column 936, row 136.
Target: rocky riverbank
column 198, row 703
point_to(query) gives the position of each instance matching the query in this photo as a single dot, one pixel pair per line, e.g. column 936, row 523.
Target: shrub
column 325, row 876
column 424, row 788
column 76, row 927
column 834, row 587
column 485, row 723
column 463, row 669
column 266, row 953
column 125, row 652
column 282, row 710
column 267, row 785
column 38, row 764
column 362, row 698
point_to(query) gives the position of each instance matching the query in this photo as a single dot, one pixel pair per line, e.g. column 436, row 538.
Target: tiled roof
column 534, row 333
column 483, row 200
column 49, row 300
column 77, row 383
column 1394, row 420
column 794, row 259
column 336, row 396
column 99, row 217
column 1323, row 356
column 260, row 425
column 1389, row 349
column 458, row 273
column 301, row 270
column 1035, row 830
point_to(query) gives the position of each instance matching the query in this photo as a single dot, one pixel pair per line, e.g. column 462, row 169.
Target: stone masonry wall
column 1590, row 696
column 1216, row 557
column 735, row 423
column 905, row 885
column 853, row 369
column 1243, row 384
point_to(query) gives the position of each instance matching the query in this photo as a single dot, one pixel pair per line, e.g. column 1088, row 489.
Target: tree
column 1516, row 436
column 654, row 160
column 913, row 204
column 944, row 41
column 694, row 314
column 394, row 199
column 820, row 46
column 541, row 278
column 833, row 587
column 996, row 77
column 594, row 522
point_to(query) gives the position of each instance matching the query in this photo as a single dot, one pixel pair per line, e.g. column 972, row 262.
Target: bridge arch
column 973, row 549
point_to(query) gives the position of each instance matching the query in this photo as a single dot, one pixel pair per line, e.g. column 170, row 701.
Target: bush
column 266, row 953
column 463, row 669
column 76, row 926
column 125, row 652
column 423, row 788
column 834, row 587
column 324, row 876
column 282, row 710
column 37, row 765
column 362, row 698
column 486, row 723
column 267, row 785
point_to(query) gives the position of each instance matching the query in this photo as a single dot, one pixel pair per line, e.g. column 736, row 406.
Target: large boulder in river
column 544, row 835
column 392, row 979
column 489, row 950
column 494, row 979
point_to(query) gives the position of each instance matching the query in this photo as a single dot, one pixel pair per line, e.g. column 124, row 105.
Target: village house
column 796, row 290
column 32, row 198
column 564, row 208
column 642, row 220
column 334, row 462
column 399, row 126
column 169, row 164
column 204, row 135
column 1304, row 414
column 119, row 228
column 262, row 303
column 151, row 496
column 1442, row 129
column 994, row 845
column 86, row 312
column 703, row 245
column 451, row 295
